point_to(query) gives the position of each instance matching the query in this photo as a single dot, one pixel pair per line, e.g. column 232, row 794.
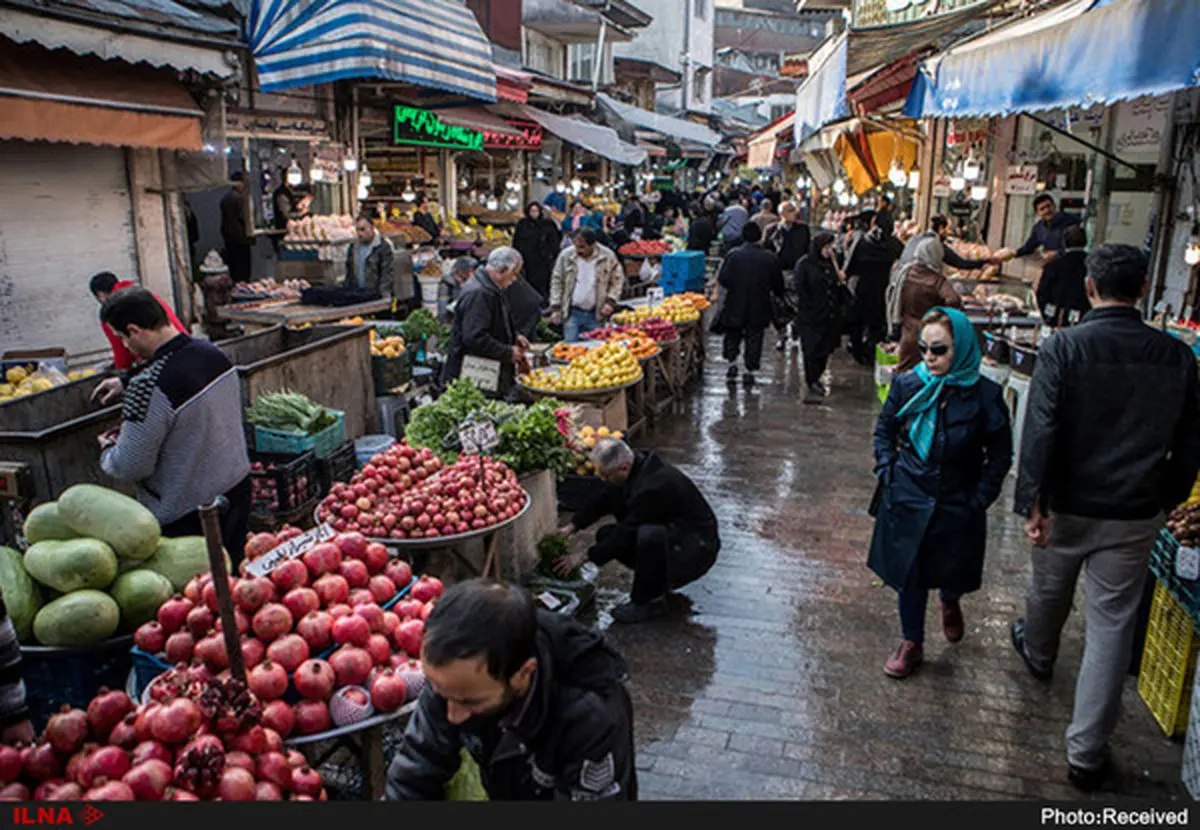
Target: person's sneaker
column 904, row 661
column 816, row 393
column 1089, row 780
column 731, row 372
column 748, row 379
column 1017, row 632
column 631, row 612
column 952, row 621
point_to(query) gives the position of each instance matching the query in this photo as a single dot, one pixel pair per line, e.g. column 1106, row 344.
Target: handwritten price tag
column 1187, row 563
column 290, row 550
column 654, row 296
column 477, row 438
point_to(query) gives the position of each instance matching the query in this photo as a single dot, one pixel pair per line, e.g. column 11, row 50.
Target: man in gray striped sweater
column 14, row 714
column 181, row 440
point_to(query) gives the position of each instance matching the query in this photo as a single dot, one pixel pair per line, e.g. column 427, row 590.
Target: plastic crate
column 368, row 446
column 391, row 372
column 146, row 667
column 294, row 443
column 54, row 676
column 1168, row 663
column 1162, row 564
column 683, row 266
column 288, row 483
column 338, row 466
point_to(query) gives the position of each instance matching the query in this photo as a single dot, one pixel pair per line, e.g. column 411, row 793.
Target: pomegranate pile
column 209, row 742
column 407, row 493
column 319, row 648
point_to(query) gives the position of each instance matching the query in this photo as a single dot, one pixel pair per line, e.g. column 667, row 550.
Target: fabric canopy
column 760, row 151
column 867, row 157
column 46, row 97
column 429, row 43
column 1084, row 53
column 678, row 128
column 593, row 137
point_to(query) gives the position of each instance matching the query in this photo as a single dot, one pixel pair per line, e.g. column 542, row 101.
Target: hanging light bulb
column 1191, row 254
column 408, row 195
column 541, row 176
column 492, row 204
column 576, row 185
column 979, row 192
column 349, row 164
column 365, row 176
column 316, row 175
column 914, row 179
column 513, row 201
column 971, row 169
column 363, row 193
column 295, row 176
column 896, row 175
column 839, row 186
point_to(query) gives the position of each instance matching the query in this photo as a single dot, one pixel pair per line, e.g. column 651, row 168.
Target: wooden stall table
column 295, row 313
column 363, row 740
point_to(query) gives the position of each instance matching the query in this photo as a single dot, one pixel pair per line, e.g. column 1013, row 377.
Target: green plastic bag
column 466, row 785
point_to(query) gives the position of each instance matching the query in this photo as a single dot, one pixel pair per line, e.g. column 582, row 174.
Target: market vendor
column 537, row 700
column 483, row 322
column 103, row 286
column 665, row 530
column 371, row 260
column 1047, row 233
column 585, row 287
column 425, row 221
column 181, row 439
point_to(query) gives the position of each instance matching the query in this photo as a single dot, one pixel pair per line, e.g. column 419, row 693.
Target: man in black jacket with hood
column 665, row 530
column 483, row 322
column 538, row 701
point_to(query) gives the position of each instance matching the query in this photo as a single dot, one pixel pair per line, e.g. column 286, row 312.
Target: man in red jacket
column 104, row 285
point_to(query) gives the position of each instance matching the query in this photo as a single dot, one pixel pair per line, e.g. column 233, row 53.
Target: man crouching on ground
column 538, row 701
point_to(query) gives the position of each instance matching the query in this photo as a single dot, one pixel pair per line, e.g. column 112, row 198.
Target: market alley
column 771, row 685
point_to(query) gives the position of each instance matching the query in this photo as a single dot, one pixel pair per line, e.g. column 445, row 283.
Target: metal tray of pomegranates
column 349, row 729
column 445, row 541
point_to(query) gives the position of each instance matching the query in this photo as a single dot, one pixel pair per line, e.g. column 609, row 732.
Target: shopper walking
column 943, row 446
column 702, row 230
column 1111, row 442
column 585, row 286
column 730, row 223
column 749, row 278
column 1062, row 290
column 869, row 259
column 766, row 216
column 819, row 287
column 918, row 287
column 789, row 239
column 539, row 241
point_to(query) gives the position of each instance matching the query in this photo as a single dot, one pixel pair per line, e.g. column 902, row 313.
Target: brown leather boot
column 952, row 621
column 905, row 661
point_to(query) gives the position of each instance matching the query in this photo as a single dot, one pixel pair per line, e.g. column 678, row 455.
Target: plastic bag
column 467, row 783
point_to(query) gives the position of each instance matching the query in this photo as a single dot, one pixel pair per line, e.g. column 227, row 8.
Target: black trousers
column 647, row 558
column 662, row 557
column 815, row 346
column 235, row 521
column 753, row 339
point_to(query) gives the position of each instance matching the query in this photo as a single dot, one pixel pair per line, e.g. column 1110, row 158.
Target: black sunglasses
column 938, row 349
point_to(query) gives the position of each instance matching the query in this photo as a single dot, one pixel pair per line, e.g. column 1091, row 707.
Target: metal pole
column 210, row 520
column 599, row 54
column 1093, row 147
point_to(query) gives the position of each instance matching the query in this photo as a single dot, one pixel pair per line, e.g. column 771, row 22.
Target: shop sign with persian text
column 530, row 137
column 423, row 128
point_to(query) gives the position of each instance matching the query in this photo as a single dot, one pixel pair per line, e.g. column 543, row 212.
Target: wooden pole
column 210, row 520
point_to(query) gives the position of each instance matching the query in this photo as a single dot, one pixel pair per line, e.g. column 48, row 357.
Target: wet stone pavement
column 767, row 683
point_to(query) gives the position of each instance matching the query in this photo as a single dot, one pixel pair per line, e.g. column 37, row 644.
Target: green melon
column 80, row 618
column 21, row 595
column 72, row 564
column 44, row 522
column 139, row 593
column 128, row 527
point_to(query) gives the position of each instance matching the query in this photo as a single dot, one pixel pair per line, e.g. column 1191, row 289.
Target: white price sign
column 484, row 372
column 1187, row 563
column 290, row 550
column 477, row 438
column 655, row 295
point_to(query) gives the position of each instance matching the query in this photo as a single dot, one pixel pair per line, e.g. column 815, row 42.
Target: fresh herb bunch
column 422, row 323
column 546, row 334
column 550, row 549
column 289, row 411
column 435, row 425
column 533, row 442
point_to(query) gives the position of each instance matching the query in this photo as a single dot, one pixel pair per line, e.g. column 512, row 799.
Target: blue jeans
column 912, row 612
column 577, row 324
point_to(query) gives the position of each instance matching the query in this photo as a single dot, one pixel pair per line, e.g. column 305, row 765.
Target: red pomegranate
column 379, row 648
column 352, row 629
column 408, row 608
column 237, row 784
column 274, row 767
column 315, row 680
column 374, row 615
column 180, row 647
column 106, row 710
column 390, row 622
column 10, row 763
column 288, row 575
column 175, row 722
column 376, row 558
column 301, row 601
column 288, row 651
column 322, row 559
column 124, row 734
column 266, row 791
column 399, row 571
column 200, row 620
column 150, row 750
column 427, row 588
column 65, row 731
column 354, row 572
column 352, row 545
column 110, row 791
column 388, row 692
column 253, row 741
column 14, row 792
column 360, row 596
column 414, row 678
column 340, row 610
column 332, row 589
column 42, row 764
column 173, row 613
column 278, row 717
column 238, row 758
column 408, row 636
column 268, row 680
column 208, row 596
column 351, row 664
column 211, row 650
column 381, row 588
column 180, row 794
column 312, row 716
column 296, row 759
column 307, row 781
column 193, row 588
column 252, row 593
column 253, row 652
column 427, row 609
column 148, row 780
column 272, row 621
column 70, row 791
column 150, row 637
column 107, row 762
column 316, row 628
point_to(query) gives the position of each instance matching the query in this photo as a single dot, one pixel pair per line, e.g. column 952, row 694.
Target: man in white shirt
column 585, row 287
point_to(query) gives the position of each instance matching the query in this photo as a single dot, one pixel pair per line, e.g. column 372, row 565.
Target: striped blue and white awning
column 429, row 43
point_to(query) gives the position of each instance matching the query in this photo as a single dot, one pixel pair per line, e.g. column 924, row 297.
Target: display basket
column 1162, row 564
column 146, row 668
column 440, row 542
column 1168, row 663
column 293, row 443
column 580, row 394
column 997, row 347
column 391, row 372
column 885, row 371
column 57, row 675
column 293, row 478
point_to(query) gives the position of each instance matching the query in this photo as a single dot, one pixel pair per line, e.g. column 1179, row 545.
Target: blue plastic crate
column 685, row 266
column 322, row 444
column 54, row 676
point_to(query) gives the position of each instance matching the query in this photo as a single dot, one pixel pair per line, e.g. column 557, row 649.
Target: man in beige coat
column 585, row 287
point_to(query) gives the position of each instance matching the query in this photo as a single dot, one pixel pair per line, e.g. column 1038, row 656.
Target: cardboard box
column 613, row 413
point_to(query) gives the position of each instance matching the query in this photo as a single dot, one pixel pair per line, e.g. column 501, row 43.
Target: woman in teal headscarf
column 943, row 446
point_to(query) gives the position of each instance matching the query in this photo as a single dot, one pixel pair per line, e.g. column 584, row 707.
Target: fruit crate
column 56, row 675
column 391, row 372
column 282, row 483
column 294, row 443
column 1162, row 564
column 338, row 466
column 1168, row 663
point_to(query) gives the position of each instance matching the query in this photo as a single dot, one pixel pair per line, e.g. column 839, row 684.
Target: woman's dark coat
column 931, row 525
column 539, row 242
column 748, row 278
column 818, row 293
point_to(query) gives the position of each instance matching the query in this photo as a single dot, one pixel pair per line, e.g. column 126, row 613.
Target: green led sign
column 424, row 129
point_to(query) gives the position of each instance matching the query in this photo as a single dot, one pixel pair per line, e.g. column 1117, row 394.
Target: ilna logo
column 88, row 815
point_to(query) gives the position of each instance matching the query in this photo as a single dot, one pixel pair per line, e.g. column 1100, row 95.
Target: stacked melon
column 97, row 562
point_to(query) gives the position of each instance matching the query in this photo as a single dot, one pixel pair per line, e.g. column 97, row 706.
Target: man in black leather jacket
column 1111, row 442
column 537, row 700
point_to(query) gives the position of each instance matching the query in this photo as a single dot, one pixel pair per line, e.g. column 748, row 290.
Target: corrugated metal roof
column 205, row 18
